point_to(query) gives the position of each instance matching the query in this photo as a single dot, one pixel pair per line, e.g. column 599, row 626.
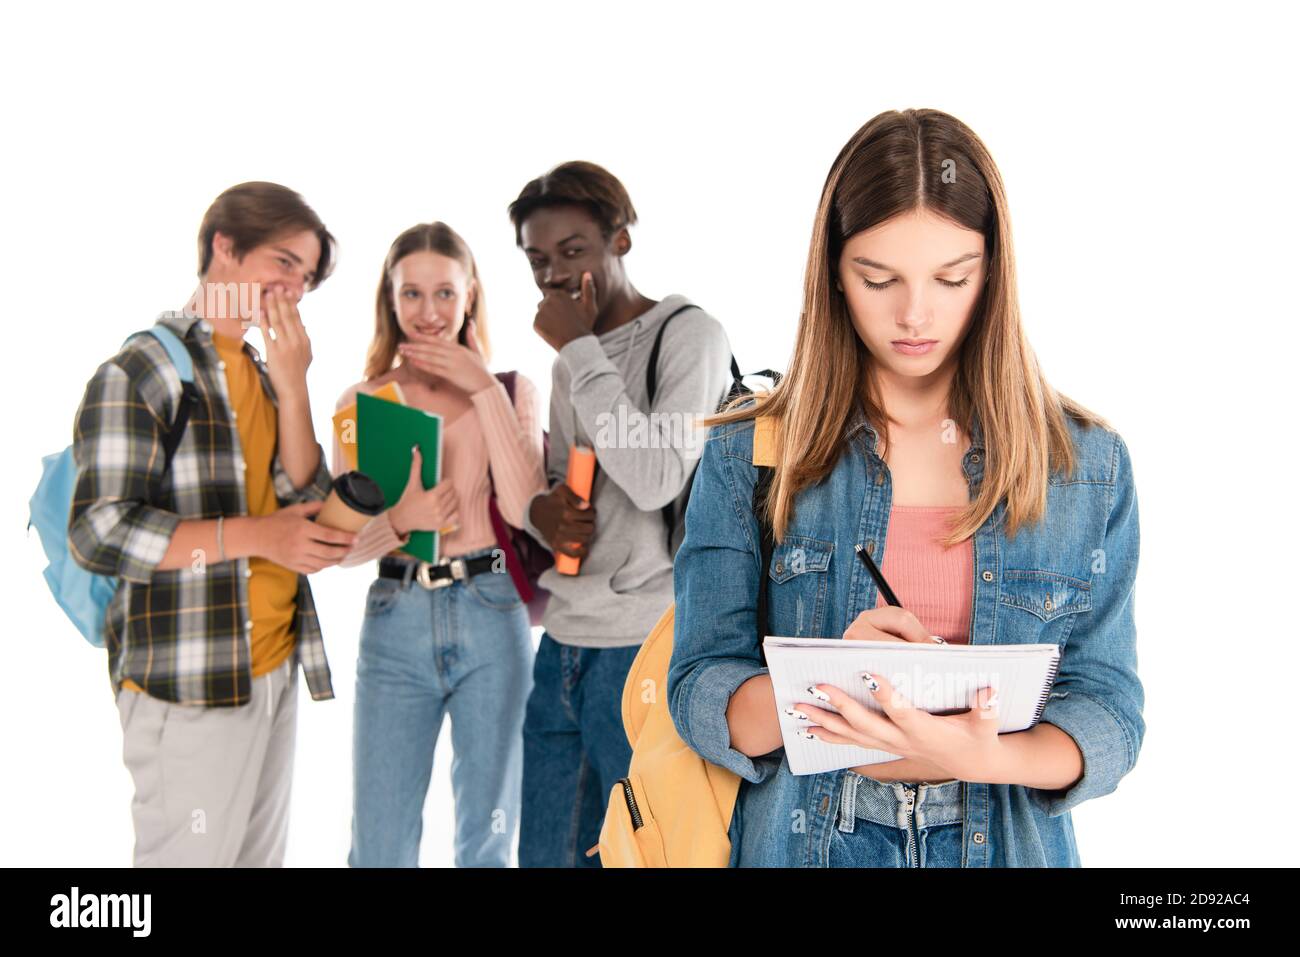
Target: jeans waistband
column 891, row 803
column 414, row 563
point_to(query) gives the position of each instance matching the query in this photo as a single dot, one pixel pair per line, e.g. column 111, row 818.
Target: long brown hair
column 435, row 237
column 899, row 162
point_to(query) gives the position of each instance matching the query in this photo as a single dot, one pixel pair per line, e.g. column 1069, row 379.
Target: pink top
column 932, row 582
column 491, row 430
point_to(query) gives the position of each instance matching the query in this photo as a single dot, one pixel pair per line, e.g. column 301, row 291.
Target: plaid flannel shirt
column 182, row 635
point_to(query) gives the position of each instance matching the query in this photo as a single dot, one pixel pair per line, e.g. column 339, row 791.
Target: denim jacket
column 1068, row 580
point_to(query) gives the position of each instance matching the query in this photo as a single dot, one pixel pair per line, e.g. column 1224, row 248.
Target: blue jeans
column 896, row 824
column 575, row 749
column 464, row 649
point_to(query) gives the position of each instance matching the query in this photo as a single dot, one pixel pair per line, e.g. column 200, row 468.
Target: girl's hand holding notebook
column 964, row 746
column 839, row 707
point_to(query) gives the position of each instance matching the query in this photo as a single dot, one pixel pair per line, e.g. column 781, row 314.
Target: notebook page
column 935, row 678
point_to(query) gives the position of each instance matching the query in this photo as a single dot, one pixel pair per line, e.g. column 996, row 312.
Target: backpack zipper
column 632, row 809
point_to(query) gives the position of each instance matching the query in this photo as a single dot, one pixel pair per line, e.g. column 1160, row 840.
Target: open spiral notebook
column 940, row 679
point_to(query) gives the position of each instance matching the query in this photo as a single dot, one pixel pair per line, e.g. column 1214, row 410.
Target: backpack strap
column 507, row 379
column 652, row 370
column 765, row 442
column 651, row 386
column 764, row 460
column 176, row 350
column 180, row 357
column 184, row 363
column 738, row 386
column 767, row 544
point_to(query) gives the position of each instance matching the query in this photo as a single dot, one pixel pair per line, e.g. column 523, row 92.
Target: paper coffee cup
column 354, row 500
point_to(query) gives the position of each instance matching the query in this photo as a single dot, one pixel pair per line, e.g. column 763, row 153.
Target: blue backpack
column 84, row 595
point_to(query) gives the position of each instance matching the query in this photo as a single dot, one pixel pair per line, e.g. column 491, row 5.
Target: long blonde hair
column 434, row 237
column 896, row 164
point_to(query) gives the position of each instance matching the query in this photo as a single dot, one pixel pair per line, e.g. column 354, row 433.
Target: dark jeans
column 575, row 749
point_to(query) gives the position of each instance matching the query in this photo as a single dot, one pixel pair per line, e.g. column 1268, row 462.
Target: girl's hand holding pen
column 889, row 623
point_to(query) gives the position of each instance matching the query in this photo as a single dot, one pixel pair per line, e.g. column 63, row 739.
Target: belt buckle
column 458, row 573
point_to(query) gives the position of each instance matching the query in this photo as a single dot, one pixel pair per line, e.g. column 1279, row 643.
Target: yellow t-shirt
column 272, row 588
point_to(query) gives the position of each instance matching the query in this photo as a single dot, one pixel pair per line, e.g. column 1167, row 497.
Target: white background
column 1148, row 152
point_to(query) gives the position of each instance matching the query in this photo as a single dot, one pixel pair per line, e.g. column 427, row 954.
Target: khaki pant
column 212, row 784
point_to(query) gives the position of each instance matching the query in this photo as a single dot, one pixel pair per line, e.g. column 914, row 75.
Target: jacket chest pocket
column 1038, row 606
column 798, row 578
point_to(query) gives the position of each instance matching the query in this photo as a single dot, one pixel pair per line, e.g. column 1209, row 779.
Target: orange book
column 345, row 420
column 580, row 475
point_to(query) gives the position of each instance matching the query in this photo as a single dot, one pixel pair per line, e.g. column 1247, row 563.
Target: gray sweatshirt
column 644, row 461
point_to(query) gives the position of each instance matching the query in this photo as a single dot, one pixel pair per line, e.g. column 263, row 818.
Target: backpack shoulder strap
column 765, row 441
column 764, row 458
column 507, row 379
column 176, row 351
column 652, row 369
column 184, row 363
column 668, row 511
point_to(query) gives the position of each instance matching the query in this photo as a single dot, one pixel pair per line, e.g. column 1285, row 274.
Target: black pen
column 890, row 597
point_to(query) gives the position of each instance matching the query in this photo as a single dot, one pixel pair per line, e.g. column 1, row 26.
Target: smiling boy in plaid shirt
column 213, row 612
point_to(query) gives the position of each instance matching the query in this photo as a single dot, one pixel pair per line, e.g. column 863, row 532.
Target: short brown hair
column 252, row 214
column 576, row 183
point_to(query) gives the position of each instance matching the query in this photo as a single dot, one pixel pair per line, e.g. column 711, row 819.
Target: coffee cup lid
column 360, row 493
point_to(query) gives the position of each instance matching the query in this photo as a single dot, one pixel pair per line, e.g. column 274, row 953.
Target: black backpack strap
column 652, row 370
column 651, row 385
column 189, row 397
column 188, row 402
column 766, row 546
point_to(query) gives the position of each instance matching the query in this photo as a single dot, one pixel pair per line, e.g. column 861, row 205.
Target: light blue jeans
column 464, row 650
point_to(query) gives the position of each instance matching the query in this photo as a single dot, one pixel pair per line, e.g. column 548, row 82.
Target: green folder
column 385, row 433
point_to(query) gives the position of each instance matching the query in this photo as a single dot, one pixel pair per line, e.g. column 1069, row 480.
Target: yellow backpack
column 674, row 808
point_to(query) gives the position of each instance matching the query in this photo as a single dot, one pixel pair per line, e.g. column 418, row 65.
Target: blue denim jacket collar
column 972, row 462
